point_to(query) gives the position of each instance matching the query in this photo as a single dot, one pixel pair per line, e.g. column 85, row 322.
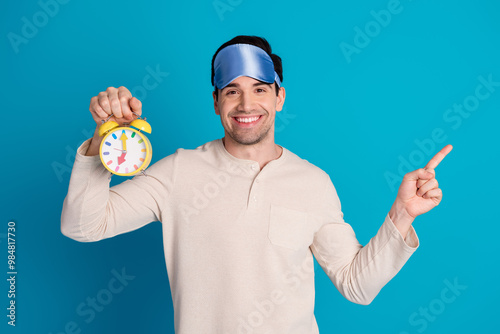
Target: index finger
column 434, row 162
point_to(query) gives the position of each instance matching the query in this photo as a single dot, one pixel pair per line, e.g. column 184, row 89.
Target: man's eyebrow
column 254, row 85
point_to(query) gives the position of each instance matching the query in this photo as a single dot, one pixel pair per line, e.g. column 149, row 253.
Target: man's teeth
column 247, row 119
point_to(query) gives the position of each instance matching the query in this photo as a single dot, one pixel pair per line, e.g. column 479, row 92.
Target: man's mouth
column 247, row 120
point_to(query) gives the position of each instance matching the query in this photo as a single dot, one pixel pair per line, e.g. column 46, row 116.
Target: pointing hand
column 419, row 191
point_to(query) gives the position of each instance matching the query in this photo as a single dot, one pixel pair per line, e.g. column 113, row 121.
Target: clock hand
column 124, row 138
column 121, row 158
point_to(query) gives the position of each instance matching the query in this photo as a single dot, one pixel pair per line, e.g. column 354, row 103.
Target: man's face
column 247, row 108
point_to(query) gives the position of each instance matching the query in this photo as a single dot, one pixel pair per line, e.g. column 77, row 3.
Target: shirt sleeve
column 93, row 211
column 359, row 273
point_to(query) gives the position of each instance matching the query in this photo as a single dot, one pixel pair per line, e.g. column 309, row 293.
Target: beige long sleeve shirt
column 239, row 241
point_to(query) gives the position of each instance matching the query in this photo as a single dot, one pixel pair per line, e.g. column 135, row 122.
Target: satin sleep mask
column 238, row 60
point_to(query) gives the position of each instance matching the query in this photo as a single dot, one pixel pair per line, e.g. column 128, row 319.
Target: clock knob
column 105, row 127
column 141, row 124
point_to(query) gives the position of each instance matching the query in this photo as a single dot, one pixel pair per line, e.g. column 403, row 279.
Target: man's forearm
column 95, row 143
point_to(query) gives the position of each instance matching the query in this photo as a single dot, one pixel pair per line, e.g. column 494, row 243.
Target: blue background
column 356, row 116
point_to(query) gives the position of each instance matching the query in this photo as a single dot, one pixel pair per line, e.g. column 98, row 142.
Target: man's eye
column 260, row 90
column 230, row 92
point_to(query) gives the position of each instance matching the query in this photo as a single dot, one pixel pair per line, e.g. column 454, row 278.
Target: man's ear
column 216, row 104
column 280, row 99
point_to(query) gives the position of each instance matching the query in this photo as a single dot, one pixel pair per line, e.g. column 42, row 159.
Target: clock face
column 124, row 151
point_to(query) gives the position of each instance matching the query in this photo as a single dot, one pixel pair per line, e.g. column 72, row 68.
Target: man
column 243, row 217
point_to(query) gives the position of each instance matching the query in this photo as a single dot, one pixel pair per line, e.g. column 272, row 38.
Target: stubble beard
column 243, row 138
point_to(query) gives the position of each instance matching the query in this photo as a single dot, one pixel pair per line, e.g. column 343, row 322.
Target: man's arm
column 359, row 273
column 91, row 210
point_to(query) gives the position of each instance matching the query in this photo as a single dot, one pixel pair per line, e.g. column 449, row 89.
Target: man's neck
column 262, row 152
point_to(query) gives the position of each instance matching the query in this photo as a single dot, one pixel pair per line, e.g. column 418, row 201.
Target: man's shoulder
column 199, row 152
column 303, row 166
column 183, row 158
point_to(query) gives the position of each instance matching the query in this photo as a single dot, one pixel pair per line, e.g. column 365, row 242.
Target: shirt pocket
column 289, row 228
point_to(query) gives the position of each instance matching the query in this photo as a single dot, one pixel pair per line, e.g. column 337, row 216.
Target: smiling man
column 242, row 217
column 247, row 109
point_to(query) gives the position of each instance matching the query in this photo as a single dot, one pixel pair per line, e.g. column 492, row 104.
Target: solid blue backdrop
column 374, row 89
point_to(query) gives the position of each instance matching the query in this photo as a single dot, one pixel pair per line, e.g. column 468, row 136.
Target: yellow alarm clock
column 125, row 150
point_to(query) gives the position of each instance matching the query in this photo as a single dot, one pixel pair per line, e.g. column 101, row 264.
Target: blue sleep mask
column 238, row 60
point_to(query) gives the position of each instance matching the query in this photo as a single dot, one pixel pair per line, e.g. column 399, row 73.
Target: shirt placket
column 255, row 195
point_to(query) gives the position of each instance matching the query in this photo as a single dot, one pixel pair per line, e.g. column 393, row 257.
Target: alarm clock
column 125, row 150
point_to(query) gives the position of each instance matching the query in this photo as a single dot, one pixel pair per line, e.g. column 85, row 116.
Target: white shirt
column 239, row 242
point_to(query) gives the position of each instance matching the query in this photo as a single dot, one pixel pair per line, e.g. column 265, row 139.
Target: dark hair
column 259, row 42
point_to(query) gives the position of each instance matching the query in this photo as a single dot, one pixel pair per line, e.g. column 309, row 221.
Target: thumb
column 136, row 105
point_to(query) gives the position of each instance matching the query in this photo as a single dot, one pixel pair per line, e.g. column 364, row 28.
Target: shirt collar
column 245, row 162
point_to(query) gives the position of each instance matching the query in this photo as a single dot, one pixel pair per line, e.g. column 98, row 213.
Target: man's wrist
column 401, row 219
column 95, row 143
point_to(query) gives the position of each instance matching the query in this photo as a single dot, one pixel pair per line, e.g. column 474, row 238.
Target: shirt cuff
column 411, row 242
column 82, row 158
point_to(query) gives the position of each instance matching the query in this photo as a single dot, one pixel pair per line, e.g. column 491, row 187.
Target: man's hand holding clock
column 113, row 101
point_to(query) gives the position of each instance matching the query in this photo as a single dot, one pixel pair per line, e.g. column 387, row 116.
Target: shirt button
column 253, row 167
column 257, row 180
column 255, row 199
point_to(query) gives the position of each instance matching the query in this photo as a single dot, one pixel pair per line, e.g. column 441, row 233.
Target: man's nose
column 247, row 103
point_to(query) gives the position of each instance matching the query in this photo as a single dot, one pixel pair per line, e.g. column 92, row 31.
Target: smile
column 247, row 120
